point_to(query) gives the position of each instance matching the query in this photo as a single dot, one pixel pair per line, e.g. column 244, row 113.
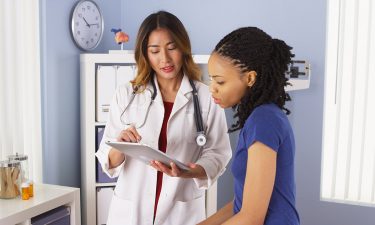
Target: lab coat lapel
column 181, row 99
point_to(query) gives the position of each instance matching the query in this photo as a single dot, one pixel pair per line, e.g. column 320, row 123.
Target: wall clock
column 87, row 24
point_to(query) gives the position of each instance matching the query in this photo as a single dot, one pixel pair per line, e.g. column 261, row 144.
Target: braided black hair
column 251, row 49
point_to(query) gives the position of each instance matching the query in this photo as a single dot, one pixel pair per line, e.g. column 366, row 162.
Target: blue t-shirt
column 269, row 125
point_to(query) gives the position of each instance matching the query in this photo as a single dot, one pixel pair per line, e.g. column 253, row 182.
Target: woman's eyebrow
column 214, row 76
column 156, row 45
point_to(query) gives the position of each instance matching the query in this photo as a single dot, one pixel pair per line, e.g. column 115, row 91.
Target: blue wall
column 300, row 23
column 61, row 87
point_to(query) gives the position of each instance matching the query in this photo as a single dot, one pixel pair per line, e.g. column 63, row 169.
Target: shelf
column 93, row 206
column 100, row 124
column 105, row 184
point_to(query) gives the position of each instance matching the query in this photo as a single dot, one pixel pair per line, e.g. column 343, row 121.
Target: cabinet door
column 105, row 88
column 103, row 197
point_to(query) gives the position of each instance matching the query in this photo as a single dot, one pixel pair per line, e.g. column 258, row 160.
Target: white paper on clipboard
column 145, row 153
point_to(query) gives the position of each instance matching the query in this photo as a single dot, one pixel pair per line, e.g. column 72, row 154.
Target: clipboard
column 145, row 153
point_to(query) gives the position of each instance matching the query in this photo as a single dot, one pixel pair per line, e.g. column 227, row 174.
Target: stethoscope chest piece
column 201, row 140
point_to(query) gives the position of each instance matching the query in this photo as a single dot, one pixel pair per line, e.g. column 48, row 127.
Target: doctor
column 158, row 109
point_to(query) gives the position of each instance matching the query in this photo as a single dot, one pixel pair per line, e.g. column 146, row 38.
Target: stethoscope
column 201, row 136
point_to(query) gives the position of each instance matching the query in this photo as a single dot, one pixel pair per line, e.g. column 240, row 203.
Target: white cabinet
column 46, row 197
column 100, row 75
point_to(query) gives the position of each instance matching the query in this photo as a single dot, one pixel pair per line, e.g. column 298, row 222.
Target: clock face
column 87, row 25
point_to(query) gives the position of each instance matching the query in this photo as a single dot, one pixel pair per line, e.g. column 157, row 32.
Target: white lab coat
column 181, row 201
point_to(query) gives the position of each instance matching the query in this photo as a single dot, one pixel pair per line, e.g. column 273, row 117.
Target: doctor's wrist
column 196, row 171
column 115, row 158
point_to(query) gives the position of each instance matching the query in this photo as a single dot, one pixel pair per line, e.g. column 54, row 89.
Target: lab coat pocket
column 187, row 213
column 120, row 212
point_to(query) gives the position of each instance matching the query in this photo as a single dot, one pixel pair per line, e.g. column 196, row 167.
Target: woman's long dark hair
column 251, row 49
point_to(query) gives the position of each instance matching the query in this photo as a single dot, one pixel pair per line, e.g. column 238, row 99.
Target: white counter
column 46, row 197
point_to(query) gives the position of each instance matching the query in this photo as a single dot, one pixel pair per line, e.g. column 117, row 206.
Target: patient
column 247, row 71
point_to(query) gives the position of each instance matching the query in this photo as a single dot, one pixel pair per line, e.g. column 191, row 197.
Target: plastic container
column 31, row 188
column 25, row 191
column 23, row 159
column 57, row 216
column 10, row 179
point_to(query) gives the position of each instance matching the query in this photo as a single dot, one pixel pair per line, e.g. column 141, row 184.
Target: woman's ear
column 251, row 78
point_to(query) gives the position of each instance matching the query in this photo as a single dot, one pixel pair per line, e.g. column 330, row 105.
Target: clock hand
column 93, row 24
column 87, row 24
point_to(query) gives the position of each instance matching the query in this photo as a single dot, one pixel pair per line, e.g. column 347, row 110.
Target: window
column 348, row 158
column 20, row 107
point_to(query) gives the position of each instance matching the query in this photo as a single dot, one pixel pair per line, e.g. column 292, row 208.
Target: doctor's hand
column 129, row 135
column 172, row 170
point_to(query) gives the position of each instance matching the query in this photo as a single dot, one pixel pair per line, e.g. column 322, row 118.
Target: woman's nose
column 165, row 56
column 212, row 87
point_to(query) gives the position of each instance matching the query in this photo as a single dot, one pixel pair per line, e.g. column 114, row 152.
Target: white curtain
column 20, row 101
column 348, row 159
